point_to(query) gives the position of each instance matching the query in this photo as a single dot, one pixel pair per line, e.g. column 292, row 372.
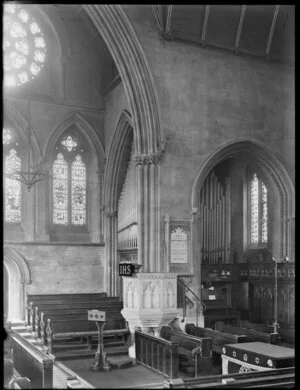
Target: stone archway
column 111, row 177
column 277, row 174
column 126, row 50
column 18, row 276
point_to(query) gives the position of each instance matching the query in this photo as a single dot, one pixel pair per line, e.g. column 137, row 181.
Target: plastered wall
column 63, row 268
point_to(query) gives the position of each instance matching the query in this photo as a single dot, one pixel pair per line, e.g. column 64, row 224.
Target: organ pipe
column 127, row 209
column 215, row 220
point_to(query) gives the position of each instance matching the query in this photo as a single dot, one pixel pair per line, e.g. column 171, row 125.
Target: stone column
column 150, row 302
column 148, row 215
column 111, row 251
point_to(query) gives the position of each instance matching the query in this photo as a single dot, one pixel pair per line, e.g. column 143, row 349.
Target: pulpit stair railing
column 184, row 301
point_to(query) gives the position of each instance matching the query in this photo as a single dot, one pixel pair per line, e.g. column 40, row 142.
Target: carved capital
column 146, row 159
column 150, row 159
column 111, row 213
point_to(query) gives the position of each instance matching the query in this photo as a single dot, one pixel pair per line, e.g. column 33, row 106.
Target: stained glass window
column 69, row 143
column 60, row 191
column 12, row 188
column 258, row 211
column 69, row 183
column 78, row 191
column 6, row 136
column 24, row 45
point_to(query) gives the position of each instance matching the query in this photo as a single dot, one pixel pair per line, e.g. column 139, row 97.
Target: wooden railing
column 156, row 353
column 278, row 378
column 183, row 287
column 29, row 361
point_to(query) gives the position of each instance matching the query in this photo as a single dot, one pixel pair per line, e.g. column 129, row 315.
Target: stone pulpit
column 150, row 302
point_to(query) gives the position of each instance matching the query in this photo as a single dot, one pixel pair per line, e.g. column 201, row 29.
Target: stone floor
column 135, row 376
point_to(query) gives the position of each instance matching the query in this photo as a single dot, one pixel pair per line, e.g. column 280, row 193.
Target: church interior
column 148, row 196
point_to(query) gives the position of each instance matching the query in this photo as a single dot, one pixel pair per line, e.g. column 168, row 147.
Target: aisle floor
column 132, row 376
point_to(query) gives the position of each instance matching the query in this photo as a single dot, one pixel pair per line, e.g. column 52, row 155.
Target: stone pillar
column 111, row 252
column 148, row 217
column 150, row 302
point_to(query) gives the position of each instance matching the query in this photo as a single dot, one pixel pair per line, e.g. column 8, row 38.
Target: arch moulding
column 21, row 125
column 19, row 277
column 126, row 50
column 270, row 164
column 87, row 131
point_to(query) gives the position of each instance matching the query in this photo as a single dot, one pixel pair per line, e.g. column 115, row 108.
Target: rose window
column 24, row 46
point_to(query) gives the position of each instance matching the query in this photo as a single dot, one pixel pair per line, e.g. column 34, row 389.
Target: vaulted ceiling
column 264, row 31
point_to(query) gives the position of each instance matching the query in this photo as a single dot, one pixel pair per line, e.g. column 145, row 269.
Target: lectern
column 100, row 364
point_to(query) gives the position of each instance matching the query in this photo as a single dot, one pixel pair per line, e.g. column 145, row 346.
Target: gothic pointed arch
column 111, row 174
column 272, row 168
column 87, row 131
column 126, row 50
column 18, row 278
column 20, row 125
column 12, row 255
column 92, row 154
column 112, row 178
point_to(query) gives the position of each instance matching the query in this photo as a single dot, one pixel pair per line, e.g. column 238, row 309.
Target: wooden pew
column 286, row 335
column 12, row 379
column 62, row 329
column 251, row 334
column 31, row 362
column 115, row 320
column 218, row 338
column 196, row 350
column 67, row 303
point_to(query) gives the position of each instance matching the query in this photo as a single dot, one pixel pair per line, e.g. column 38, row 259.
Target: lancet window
column 69, row 182
column 12, row 187
column 258, row 212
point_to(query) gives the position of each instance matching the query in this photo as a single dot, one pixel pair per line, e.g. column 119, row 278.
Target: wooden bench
column 12, row 379
column 115, row 320
column 218, row 338
column 61, row 317
column 31, row 362
column 196, row 351
column 251, row 334
column 286, row 335
column 55, row 299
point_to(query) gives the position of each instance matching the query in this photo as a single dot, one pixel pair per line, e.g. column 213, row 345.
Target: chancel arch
column 18, row 277
column 245, row 209
column 117, row 192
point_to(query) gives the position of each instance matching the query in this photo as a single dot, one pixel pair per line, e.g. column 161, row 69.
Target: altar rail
column 29, row 361
column 279, row 378
column 156, row 353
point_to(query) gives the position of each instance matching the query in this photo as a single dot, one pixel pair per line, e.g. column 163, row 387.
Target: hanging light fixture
column 34, row 172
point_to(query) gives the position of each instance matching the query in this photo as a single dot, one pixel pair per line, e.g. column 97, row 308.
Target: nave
column 148, row 195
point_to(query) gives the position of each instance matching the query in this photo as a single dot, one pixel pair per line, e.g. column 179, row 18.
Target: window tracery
column 12, row 187
column 24, row 46
column 258, row 211
column 69, row 184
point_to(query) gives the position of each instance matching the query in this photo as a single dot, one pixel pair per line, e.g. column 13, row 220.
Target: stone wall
column 64, row 268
